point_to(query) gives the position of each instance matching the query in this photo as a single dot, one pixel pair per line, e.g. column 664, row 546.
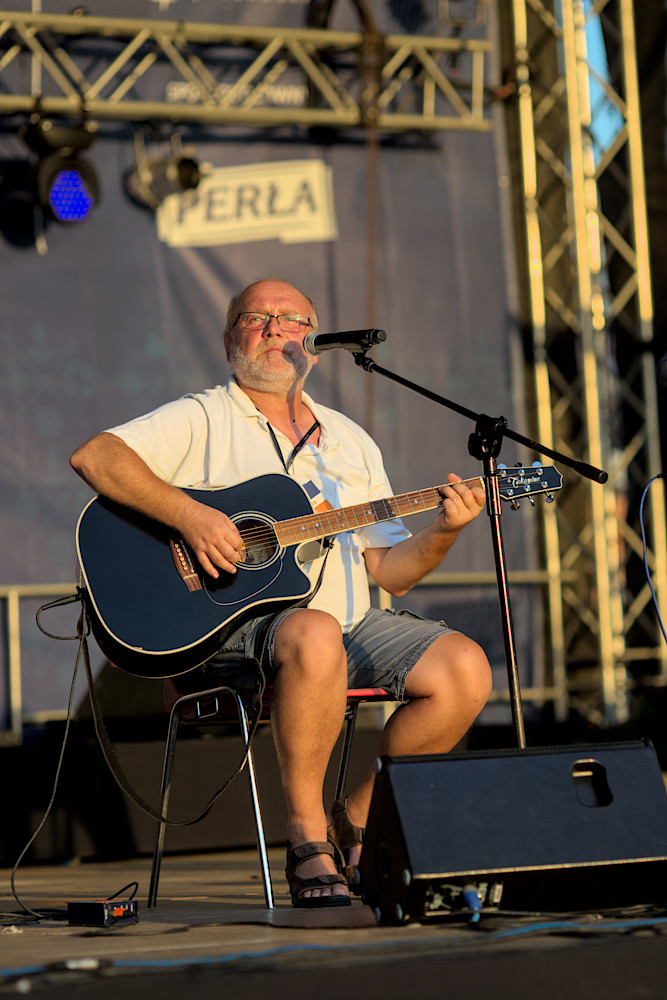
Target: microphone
column 352, row 340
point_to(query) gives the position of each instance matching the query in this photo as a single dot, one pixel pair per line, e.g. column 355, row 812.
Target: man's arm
column 399, row 567
column 114, row 470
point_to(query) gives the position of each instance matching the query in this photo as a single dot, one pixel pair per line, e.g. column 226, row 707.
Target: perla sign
column 291, row 201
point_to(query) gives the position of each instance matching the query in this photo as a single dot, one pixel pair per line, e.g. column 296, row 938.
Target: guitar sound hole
column 260, row 542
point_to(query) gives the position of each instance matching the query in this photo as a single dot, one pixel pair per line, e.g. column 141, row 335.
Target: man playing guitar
column 262, row 421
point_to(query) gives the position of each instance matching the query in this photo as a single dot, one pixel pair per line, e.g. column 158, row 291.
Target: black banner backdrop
column 111, row 321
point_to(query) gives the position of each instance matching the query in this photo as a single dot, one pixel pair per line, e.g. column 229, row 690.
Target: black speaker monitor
column 557, row 830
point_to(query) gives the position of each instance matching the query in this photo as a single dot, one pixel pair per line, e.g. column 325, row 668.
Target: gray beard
column 255, row 374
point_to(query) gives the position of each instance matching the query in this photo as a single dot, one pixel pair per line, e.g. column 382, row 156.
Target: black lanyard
column 297, row 447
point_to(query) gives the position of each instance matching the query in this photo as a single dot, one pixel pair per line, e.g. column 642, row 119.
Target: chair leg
column 350, row 721
column 257, row 812
column 164, row 803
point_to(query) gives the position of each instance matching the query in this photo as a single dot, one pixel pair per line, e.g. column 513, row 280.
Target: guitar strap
column 324, row 505
column 295, row 450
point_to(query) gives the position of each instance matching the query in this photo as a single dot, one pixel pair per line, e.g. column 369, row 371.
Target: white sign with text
column 291, row 201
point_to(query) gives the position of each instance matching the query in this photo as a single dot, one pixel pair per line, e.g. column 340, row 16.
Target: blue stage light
column 71, row 197
column 65, row 184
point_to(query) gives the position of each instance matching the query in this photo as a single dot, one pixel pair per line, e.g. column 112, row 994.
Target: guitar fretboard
column 513, row 485
column 331, row 522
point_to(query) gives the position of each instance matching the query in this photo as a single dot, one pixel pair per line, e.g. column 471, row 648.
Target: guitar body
column 143, row 615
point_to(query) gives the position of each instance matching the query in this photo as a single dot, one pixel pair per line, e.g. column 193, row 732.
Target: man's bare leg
column 448, row 687
column 310, row 694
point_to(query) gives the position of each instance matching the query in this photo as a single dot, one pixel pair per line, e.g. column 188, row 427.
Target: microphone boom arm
column 583, row 468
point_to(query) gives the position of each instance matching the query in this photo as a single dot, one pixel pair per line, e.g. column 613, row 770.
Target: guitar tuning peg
column 549, row 498
column 519, row 465
column 515, row 505
column 531, row 501
column 501, row 465
column 537, row 465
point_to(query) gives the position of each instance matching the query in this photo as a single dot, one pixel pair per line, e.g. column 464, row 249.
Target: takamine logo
column 291, row 201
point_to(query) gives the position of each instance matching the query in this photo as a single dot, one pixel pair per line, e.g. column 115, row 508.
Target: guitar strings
column 405, row 503
column 393, row 507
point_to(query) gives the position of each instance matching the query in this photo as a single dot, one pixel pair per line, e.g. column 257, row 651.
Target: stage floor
column 211, row 932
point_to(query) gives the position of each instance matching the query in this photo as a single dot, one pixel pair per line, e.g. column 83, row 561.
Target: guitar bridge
column 184, row 564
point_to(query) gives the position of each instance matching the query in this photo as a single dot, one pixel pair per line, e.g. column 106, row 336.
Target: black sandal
column 298, row 885
column 345, row 835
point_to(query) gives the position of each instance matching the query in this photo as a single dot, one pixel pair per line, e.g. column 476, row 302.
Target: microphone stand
column 485, row 444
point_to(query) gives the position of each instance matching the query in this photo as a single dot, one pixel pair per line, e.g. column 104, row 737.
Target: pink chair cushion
column 177, row 687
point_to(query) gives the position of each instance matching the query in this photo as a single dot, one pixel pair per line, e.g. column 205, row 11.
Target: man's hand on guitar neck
column 461, row 504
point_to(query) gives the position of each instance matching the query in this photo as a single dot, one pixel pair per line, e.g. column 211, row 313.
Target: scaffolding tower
column 582, row 242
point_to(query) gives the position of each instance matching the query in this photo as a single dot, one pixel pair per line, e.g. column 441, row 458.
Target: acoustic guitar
column 156, row 613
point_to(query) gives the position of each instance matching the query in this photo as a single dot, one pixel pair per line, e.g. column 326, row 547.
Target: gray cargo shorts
column 381, row 650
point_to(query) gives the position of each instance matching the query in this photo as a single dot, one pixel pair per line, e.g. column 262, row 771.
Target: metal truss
column 588, row 316
column 111, row 68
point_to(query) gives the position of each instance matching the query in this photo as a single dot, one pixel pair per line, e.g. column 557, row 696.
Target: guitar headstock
column 521, row 481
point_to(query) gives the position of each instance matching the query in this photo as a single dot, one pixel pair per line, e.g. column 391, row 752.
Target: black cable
column 119, row 775
column 83, row 630
column 58, row 913
column 69, row 600
column 61, row 602
column 117, row 894
column 576, row 927
column 645, row 553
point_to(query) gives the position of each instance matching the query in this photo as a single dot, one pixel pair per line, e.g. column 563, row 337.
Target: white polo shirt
column 217, row 438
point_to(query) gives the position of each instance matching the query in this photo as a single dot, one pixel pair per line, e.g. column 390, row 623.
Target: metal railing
column 13, row 596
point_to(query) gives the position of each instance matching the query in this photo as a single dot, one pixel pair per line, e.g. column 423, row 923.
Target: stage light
column 68, row 186
column 156, row 177
column 65, row 183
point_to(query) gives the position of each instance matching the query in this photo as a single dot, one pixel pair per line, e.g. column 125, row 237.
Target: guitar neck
column 332, row 522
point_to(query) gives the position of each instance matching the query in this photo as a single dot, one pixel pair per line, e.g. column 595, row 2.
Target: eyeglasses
column 260, row 321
